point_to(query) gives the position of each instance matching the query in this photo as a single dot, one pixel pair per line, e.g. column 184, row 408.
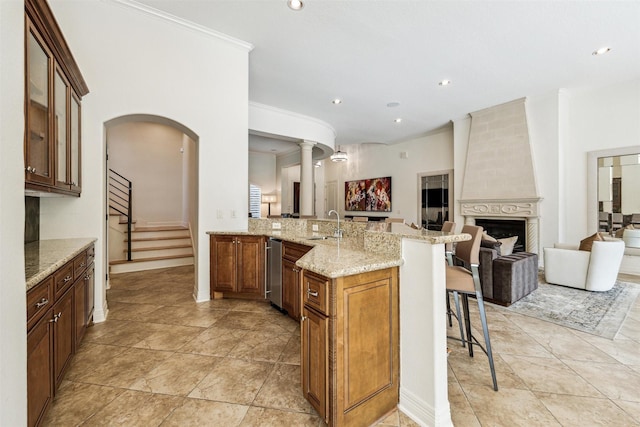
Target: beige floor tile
column 123, row 369
column 196, row 412
column 578, row 411
column 391, row 420
column 177, row 375
column 282, row 390
column 291, row 353
column 233, row 381
column 279, row 323
column 75, row 402
column 623, row 350
column 185, row 315
column 613, row 380
column 550, row 375
column 240, row 320
column 123, row 333
column 508, row 407
column 631, row 329
column 475, row 370
column 266, row 417
column 134, row 408
column 89, row 357
column 253, row 306
column 168, row 337
column 507, row 338
column 405, row 421
column 261, row 346
column 215, row 341
column 631, row 408
column 126, row 311
column 461, row 412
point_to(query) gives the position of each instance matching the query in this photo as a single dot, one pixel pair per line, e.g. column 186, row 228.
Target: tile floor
column 162, row 359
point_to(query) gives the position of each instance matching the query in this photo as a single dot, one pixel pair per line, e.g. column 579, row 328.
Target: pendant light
column 339, row 156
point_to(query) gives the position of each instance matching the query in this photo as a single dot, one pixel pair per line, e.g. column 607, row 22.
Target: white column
column 306, row 178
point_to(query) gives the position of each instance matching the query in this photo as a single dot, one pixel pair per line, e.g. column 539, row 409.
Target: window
column 255, row 201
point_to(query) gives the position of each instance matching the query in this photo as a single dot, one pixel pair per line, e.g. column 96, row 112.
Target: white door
column 331, row 196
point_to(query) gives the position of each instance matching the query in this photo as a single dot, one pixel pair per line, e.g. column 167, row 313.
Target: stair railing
column 120, row 200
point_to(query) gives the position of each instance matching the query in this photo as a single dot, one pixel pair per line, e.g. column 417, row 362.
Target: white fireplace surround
column 499, row 178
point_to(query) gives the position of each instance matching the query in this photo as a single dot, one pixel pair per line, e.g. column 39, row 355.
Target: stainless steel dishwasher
column 274, row 275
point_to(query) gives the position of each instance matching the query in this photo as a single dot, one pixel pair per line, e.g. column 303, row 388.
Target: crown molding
column 292, row 114
column 132, row 4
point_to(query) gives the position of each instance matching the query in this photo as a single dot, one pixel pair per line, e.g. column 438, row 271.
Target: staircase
column 155, row 247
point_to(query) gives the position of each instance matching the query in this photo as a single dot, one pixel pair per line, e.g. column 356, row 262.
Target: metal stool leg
column 487, row 341
column 467, row 322
column 456, row 300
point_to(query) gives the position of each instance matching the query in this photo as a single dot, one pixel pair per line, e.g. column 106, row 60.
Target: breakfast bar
column 372, row 317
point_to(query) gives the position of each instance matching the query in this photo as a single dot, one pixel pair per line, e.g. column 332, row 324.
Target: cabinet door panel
column 90, row 279
column 223, row 263
column 74, row 155
column 39, row 387
column 315, row 360
column 61, row 127
column 79, row 297
column 290, row 289
column 63, row 335
column 250, row 265
column 38, row 153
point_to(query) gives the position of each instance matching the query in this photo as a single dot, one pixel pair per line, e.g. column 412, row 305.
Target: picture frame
column 368, row 195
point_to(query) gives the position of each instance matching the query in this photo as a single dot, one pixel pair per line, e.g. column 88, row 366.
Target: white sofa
column 597, row 270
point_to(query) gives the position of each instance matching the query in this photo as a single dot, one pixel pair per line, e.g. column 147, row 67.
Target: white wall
column 190, row 184
column 433, row 152
column 148, row 154
column 128, row 72
column 13, row 352
column 262, row 173
column 599, row 119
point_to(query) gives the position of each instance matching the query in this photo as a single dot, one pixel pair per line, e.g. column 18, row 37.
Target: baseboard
column 421, row 412
column 100, row 313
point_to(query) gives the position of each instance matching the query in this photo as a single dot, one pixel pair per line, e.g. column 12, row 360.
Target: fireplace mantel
column 517, row 208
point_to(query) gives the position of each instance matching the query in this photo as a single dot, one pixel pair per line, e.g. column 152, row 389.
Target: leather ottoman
column 514, row 276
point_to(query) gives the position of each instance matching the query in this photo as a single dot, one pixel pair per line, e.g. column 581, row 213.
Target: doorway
column 434, row 199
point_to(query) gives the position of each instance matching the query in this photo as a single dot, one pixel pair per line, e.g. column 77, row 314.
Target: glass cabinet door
column 75, row 144
column 60, row 126
column 38, row 154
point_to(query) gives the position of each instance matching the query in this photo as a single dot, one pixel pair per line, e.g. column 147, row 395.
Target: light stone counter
column 43, row 257
column 366, row 251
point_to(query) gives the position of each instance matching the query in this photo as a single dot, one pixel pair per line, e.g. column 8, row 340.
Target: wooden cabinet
column 354, row 319
column 53, row 91
column 237, row 265
column 58, row 312
column 291, row 253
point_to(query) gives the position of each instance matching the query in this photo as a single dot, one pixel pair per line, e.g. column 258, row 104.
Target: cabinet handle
column 312, row 293
column 55, row 318
column 82, row 264
column 303, row 318
column 66, row 279
column 42, row 303
column 87, row 276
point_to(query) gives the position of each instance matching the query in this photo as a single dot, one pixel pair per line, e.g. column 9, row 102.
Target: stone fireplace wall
column 499, row 179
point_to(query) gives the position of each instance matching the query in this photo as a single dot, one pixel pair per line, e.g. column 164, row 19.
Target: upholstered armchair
column 596, row 270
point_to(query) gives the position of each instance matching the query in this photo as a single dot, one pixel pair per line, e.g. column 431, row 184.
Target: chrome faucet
column 338, row 232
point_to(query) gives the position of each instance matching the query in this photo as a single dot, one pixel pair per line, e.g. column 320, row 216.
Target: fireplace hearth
column 502, row 228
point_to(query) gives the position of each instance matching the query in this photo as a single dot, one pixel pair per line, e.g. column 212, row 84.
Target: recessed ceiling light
column 445, row 83
column 337, row 101
column 398, row 120
column 295, row 4
column 393, row 104
column 601, row 51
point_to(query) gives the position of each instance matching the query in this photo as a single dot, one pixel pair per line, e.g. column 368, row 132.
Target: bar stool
column 467, row 283
column 450, row 227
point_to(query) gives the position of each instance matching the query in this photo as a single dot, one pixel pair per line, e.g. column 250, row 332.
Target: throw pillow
column 620, row 232
column 507, row 245
column 485, row 236
column 491, row 244
column 587, row 243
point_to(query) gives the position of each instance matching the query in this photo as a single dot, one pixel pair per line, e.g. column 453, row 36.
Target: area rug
column 597, row 313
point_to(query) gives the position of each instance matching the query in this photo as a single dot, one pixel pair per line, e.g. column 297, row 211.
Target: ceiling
column 371, row 53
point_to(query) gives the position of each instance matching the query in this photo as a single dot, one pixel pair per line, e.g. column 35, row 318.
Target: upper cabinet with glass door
column 54, row 88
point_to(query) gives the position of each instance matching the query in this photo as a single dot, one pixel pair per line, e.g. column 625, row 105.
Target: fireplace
column 501, row 228
column 499, row 183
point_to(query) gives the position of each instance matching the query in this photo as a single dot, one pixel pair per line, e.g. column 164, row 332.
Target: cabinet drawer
column 79, row 265
column 315, row 291
column 294, row 251
column 39, row 300
column 63, row 279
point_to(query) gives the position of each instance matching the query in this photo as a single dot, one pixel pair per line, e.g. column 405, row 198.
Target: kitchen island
column 373, row 299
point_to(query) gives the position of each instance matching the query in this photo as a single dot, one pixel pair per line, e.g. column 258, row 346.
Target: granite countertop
column 44, row 257
column 334, row 258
